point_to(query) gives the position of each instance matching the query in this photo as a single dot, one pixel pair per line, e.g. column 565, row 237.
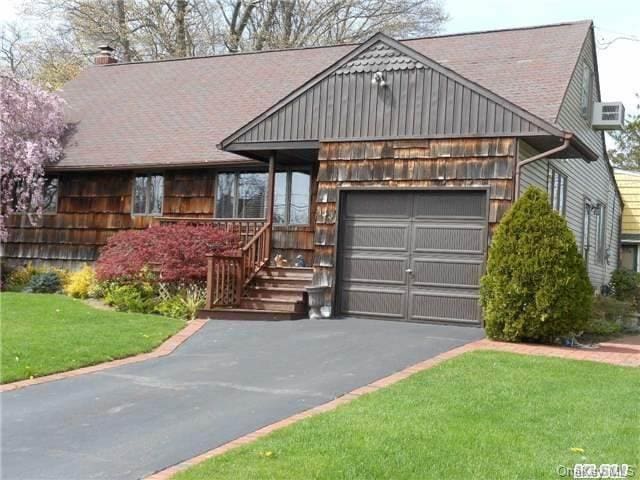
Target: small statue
column 299, row 262
column 280, row 261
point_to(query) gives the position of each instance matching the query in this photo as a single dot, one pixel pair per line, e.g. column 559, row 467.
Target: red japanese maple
column 176, row 252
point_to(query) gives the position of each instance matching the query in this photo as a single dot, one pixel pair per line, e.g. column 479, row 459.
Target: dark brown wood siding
column 405, row 164
column 92, row 206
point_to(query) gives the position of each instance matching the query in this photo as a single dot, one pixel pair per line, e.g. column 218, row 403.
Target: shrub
column 48, row 282
column 610, row 309
column 536, row 286
column 608, row 316
column 183, row 304
column 81, row 282
column 625, row 286
column 137, row 297
column 97, row 289
column 176, row 252
column 19, row 277
column 601, row 328
column 5, row 272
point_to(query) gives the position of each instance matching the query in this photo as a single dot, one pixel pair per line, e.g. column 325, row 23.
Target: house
column 629, row 183
column 385, row 165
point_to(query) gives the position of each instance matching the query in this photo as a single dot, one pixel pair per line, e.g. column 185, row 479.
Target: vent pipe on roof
column 105, row 55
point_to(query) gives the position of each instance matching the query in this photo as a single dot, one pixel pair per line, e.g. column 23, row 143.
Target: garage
column 414, row 255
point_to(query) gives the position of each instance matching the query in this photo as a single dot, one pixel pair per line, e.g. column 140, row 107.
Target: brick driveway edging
column 167, row 347
column 625, row 352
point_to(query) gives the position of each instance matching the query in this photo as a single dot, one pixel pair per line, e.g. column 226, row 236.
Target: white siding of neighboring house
column 584, row 180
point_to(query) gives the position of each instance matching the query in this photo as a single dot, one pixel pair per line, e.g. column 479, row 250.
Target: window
column 291, row 198
column 557, row 188
column 241, row 195
column 49, row 199
column 600, row 217
column 148, row 194
column 586, row 229
column 629, row 257
column 50, row 195
column 586, row 92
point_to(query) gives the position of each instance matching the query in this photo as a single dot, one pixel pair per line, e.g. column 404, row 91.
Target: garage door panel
column 372, row 269
column 386, row 302
column 444, row 306
column 423, row 267
column 380, row 204
column 446, row 203
column 454, row 238
column 446, row 272
column 376, row 236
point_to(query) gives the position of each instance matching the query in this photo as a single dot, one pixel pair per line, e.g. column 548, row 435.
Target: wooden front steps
column 275, row 293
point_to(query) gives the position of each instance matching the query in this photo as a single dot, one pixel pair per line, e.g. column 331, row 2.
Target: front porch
column 251, row 283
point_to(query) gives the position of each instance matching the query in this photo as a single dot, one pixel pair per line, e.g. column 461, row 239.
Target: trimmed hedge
column 536, row 286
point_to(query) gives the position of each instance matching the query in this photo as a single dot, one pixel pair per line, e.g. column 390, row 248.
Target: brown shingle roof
column 175, row 112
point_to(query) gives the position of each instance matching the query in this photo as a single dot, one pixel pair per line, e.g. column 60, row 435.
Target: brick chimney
column 105, row 55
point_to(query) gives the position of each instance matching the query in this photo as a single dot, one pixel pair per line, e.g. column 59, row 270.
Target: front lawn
column 483, row 415
column 43, row 334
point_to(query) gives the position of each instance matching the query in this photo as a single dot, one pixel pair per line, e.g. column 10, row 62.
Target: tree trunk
column 123, row 32
column 288, row 9
column 267, row 25
column 181, row 33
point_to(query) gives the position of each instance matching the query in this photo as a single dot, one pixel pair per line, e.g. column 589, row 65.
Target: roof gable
column 421, row 99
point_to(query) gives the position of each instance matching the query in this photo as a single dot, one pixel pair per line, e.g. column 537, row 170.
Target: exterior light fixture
column 378, row 79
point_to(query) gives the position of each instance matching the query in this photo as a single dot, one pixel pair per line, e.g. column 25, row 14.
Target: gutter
column 565, row 144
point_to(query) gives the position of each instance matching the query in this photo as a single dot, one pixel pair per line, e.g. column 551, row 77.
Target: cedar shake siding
column 92, row 206
column 405, row 164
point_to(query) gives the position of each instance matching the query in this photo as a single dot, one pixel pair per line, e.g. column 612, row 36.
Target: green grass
column 483, row 415
column 43, row 334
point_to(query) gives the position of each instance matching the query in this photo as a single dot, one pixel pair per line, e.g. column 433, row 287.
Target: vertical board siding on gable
column 405, row 164
column 416, row 103
column 593, row 180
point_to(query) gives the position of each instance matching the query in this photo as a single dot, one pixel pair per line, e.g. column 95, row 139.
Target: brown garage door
column 415, row 255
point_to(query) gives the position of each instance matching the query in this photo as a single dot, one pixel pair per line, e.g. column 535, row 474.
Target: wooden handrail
column 256, row 237
column 246, row 228
column 229, row 275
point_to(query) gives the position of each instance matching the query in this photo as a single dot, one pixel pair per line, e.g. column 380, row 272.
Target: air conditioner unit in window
column 608, row 116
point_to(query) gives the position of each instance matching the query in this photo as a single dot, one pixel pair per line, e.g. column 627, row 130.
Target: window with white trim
column 148, row 194
column 557, row 188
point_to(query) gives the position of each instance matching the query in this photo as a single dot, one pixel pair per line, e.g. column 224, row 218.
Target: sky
column 618, row 62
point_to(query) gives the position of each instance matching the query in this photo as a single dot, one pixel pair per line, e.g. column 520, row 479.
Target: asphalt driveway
column 229, row 379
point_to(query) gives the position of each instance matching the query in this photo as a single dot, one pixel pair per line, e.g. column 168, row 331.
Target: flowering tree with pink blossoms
column 31, row 128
